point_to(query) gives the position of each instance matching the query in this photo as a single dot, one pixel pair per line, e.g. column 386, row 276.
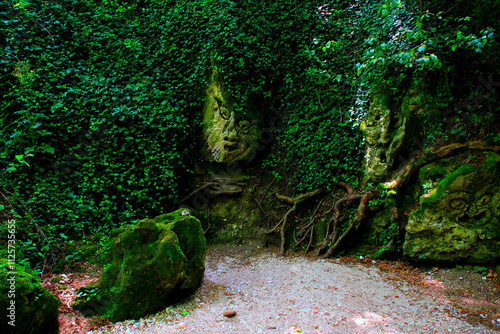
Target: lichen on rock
column 35, row 309
column 154, row 264
column 459, row 216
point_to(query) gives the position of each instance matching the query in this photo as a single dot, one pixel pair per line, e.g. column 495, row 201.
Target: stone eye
column 224, row 113
column 244, row 124
column 484, row 200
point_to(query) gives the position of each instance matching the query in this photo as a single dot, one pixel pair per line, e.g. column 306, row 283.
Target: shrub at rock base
column 154, row 264
column 35, row 309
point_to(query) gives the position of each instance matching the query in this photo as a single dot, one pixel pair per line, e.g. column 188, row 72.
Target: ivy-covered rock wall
column 106, row 117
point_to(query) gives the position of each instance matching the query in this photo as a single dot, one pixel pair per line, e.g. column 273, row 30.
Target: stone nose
column 230, row 133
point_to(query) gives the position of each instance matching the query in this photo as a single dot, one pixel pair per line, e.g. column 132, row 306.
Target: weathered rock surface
column 384, row 132
column 154, row 264
column 459, row 217
column 388, row 131
column 229, row 135
column 35, row 309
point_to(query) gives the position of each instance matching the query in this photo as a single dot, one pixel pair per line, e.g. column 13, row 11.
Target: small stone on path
column 229, row 313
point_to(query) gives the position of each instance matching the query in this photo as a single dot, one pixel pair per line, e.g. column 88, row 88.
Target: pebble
column 229, row 313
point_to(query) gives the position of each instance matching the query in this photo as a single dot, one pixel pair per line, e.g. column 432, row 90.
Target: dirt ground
column 252, row 290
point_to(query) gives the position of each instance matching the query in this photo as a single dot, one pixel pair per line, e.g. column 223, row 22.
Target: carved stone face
column 459, row 219
column 228, row 135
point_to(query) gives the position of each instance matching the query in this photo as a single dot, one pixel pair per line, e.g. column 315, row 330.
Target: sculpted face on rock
column 229, row 135
column 384, row 132
column 459, row 219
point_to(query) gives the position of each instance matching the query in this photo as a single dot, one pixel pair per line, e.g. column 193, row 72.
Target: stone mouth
column 233, row 147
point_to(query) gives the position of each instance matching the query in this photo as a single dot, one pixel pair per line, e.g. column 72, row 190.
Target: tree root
column 334, row 234
column 310, row 225
column 218, row 187
column 359, row 216
column 294, row 201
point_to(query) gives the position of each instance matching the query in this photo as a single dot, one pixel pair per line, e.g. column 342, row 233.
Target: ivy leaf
column 29, row 149
column 48, row 149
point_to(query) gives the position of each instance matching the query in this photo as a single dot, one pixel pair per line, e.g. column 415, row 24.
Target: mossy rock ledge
column 458, row 220
column 25, row 303
column 154, row 264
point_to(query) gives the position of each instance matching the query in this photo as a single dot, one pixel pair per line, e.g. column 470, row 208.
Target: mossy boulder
column 154, row 264
column 25, row 303
column 459, row 216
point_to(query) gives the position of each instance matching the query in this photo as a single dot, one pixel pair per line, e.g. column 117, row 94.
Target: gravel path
column 274, row 294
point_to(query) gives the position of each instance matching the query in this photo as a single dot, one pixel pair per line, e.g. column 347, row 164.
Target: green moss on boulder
column 35, row 309
column 459, row 216
column 154, row 264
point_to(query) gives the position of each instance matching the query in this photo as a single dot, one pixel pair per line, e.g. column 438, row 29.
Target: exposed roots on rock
column 335, row 238
column 217, row 187
column 425, row 157
column 343, row 217
column 335, row 232
column 294, row 201
column 430, row 155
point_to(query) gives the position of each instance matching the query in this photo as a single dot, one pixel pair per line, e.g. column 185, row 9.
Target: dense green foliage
column 99, row 128
column 101, row 99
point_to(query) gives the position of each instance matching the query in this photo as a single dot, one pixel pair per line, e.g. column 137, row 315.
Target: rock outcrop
column 384, row 132
column 459, row 216
column 229, row 135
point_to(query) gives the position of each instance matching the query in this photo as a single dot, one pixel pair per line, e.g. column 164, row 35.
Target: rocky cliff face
column 384, row 133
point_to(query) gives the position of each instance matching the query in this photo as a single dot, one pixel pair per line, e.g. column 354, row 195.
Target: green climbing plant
column 101, row 99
